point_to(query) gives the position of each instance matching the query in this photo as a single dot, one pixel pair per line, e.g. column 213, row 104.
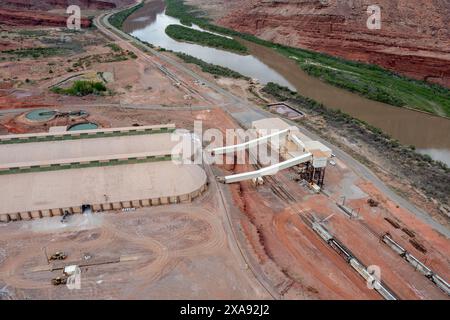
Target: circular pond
column 41, row 115
column 83, row 126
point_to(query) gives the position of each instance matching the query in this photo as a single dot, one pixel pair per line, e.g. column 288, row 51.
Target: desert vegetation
column 119, row 18
column 186, row 34
column 39, row 52
column 82, row 88
column 211, row 68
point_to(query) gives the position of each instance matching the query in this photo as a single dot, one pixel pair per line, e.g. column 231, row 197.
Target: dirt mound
column 413, row 40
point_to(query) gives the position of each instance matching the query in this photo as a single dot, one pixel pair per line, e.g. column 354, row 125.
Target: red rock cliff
column 413, row 39
column 57, row 4
column 35, row 13
column 35, row 18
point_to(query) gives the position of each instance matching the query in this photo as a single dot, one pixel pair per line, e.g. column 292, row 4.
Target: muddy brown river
column 430, row 134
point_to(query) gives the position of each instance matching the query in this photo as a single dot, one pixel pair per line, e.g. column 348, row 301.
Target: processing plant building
column 49, row 174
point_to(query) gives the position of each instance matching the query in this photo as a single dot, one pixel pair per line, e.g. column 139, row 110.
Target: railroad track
column 307, row 217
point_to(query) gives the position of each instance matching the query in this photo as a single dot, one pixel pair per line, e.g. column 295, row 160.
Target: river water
column 430, row 134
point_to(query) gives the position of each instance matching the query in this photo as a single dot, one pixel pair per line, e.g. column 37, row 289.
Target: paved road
column 246, row 113
column 116, row 105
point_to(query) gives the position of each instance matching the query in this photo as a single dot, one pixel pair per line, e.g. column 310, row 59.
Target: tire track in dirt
column 216, row 240
column 155, row 247
column 13, row 272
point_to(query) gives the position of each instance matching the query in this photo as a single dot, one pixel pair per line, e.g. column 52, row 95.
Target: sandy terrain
column 27, row 81
column 164, row 253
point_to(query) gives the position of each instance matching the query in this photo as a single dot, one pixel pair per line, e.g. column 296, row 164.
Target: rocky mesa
column 49, row 12
column 57, row 4
column 35, row 18
column 413, row 39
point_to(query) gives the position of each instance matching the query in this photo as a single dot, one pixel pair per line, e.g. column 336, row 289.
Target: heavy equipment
column 59, row 281
column 58, row 256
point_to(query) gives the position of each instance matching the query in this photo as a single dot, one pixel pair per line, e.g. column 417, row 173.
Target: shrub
column 82, row 88
column 119, row 18
column 211, row 68
column 182, row 33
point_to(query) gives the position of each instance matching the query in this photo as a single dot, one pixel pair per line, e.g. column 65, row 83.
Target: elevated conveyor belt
column 249, row 144
column 297, row 141
column 267, row 171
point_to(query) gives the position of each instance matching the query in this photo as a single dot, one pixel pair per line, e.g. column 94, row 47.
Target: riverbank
column 392, row 161
column 190, row 35
column 120, row 22
column 371, row 148
column 369, row 81
column 210, row 68
column 268, row 65
column 118, row 19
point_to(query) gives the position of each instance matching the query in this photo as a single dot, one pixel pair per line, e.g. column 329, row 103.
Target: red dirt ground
column 279, row 235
